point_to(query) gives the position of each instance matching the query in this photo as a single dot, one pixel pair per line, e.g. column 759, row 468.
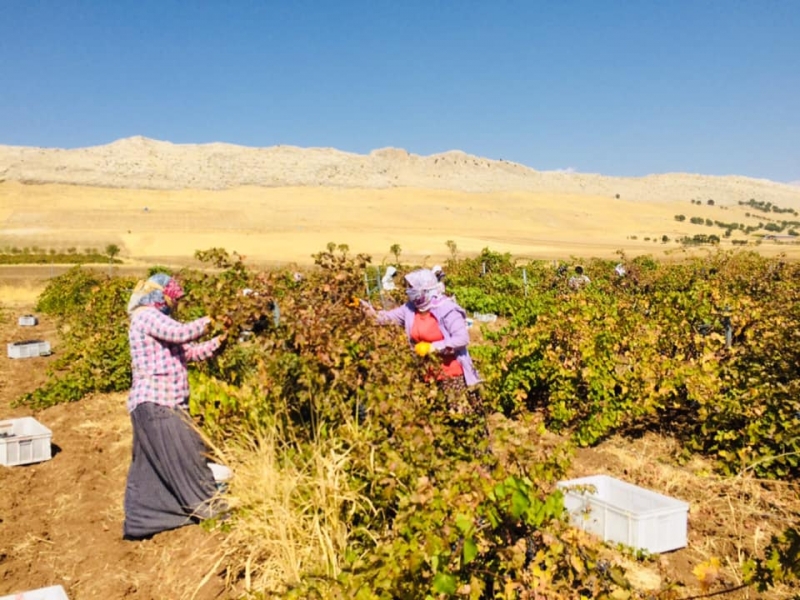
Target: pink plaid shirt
column 160, row 349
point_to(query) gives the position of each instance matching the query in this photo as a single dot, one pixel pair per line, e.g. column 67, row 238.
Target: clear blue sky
column 627, row 87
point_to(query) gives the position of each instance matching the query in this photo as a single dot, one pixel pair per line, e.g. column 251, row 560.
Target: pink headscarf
column 424, row 291
column 160, row 291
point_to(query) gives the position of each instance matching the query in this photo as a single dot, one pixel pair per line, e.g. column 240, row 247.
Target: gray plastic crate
column 24, row 441
column 627, row 514
column 28, row 349
column 55, row 592
column 27, row 321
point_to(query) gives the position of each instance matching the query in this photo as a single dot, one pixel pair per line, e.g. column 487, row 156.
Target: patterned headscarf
column 160, row 291
column 424, row 291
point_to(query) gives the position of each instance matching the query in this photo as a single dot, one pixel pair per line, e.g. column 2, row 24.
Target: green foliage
column 780, row 564
column 69, row 293
column 448, row 516
column 93, row 325
column 445, row 515
column 32, row 256
column 650, row 348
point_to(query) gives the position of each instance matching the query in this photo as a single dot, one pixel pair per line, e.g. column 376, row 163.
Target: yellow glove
column 423, row 348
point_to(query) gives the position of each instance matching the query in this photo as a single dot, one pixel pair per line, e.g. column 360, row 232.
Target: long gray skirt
column 169, row 482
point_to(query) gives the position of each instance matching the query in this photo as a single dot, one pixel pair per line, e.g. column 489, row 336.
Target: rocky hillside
column 139, row 162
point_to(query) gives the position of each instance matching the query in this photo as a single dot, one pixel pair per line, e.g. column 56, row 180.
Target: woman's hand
column 367, row 307
column 222, row 340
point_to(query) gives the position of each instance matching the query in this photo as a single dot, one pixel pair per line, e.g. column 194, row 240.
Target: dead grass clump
column 290, row 510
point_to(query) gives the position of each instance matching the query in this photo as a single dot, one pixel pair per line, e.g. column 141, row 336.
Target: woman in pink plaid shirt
column 169, row 482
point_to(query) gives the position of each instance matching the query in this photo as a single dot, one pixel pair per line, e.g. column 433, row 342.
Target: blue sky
column 627, row 87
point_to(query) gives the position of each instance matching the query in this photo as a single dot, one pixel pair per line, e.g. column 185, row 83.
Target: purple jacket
column 452, row 322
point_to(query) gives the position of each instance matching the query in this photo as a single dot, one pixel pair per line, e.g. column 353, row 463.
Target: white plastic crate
column 28, row 349
column 24, row 441
column 627, row 514
column 222, row 475
column 27, row 321
column 55, row 592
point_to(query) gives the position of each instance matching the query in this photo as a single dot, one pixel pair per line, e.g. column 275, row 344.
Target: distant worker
column 439, row 272
column 578, row 280
column 387, row 281
column 620, row 270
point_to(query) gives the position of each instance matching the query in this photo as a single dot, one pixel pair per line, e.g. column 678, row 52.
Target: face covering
column 424, row 289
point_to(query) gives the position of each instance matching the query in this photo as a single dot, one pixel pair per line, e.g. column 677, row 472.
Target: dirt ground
column 61, row 520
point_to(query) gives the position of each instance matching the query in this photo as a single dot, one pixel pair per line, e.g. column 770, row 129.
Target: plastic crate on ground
column 28, row 349
column 54, row 592
column 627, row 514
column 24, row 441
column 27, row 321
column 222, row 475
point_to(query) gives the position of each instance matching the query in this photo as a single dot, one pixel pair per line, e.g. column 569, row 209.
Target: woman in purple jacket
column 437, row 327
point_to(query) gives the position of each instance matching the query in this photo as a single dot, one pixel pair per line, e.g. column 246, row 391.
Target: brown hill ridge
column 143, row 163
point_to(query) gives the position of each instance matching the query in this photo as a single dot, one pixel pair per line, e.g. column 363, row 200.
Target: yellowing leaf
column 707, row 572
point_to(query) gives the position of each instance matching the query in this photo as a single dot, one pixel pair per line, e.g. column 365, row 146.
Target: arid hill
column 142, row 163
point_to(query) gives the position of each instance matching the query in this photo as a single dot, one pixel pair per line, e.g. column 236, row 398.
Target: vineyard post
column 525, row 280
column 483, row 269
column 726, row 321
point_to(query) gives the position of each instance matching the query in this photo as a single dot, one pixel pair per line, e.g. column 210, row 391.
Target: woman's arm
column 162, row 327
column 202, row 350
column 454, row 329
column 396, row 316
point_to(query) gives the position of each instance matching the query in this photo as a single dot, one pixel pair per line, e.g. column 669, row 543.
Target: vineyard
column 353, row 480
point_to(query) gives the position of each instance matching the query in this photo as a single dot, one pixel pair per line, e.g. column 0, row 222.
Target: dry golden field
column 284, row 225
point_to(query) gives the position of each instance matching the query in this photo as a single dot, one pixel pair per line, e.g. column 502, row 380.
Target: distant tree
column 680, row 217
column 396, row 250
column 451, row 246
column 664, row 238
column 112, row 251
column 710, row 202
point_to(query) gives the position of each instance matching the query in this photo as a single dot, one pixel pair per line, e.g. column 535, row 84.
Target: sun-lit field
column 282, row 225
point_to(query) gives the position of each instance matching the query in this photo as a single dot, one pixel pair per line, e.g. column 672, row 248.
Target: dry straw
column 290, row 511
